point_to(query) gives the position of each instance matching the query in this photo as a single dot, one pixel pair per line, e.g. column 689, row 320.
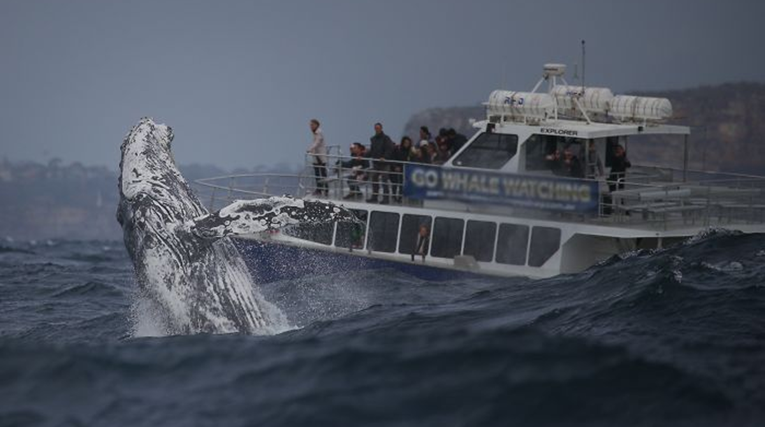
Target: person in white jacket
column 318, row 150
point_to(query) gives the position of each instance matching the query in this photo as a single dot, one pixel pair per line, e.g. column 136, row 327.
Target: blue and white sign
column 573, row 195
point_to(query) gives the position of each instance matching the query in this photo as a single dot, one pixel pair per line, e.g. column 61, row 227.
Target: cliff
column 726, row 132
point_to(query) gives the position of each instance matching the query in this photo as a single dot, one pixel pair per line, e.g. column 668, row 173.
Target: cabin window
column 318, row 233
column 545, row 241
column 488, row 151
column 512, row 242
column 479, row 240
column 410, row 228
column 350, row 235
column 447, row 237
column 383, row 231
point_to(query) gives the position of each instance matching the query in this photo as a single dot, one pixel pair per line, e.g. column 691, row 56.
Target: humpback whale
column 185, row 262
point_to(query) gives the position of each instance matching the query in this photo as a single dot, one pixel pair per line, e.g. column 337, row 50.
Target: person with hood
column 318, row 150
column 380, row 151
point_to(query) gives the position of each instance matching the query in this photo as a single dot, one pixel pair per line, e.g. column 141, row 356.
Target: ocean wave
column 666, row 337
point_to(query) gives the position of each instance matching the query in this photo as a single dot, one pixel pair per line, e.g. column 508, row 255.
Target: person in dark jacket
column 404, row 152
column 570, row 164
column 619, row 165
column 357, row 165
column 457, row 140
column 380, row 150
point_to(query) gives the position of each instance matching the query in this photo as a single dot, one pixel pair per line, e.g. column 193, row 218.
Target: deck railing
column 651, row 196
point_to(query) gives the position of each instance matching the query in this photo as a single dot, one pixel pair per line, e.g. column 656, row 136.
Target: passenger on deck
column 421, row 155
column 404, row 152
column 457, row 140
column 619, row 165
column 424, row 137
column 380, row 150
column 570, row 164
column 422, row 244
column 318, row 150
column 594, row 165
column 553, row 162
column 431, row 154
column 441, row 151
column 358, row 165
column 443, row 139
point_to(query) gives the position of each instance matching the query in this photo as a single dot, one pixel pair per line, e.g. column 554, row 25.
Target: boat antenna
column 504, row 74
column 583, row 51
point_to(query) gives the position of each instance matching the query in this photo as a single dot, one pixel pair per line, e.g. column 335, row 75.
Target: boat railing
column 221, row 190
column 647, row 196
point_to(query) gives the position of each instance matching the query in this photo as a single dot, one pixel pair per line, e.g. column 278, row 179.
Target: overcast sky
column 239, row 80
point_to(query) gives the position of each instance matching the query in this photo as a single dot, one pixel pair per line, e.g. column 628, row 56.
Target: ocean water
column 674, row 337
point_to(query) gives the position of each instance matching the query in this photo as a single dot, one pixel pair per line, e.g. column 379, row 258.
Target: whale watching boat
column 502, row 205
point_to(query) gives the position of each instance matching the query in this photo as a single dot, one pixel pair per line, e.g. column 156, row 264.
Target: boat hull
column 272, row 262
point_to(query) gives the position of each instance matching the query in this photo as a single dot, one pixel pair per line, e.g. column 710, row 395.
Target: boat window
column 479, row 240
column 512, row 242
column 383, row 231
column 350, row 235
column 488, row 151
column 319, row 233
column 410, row 228
column 447, row 237
column 545, row 241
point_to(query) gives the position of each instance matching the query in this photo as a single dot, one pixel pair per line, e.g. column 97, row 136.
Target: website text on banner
column 573, row 195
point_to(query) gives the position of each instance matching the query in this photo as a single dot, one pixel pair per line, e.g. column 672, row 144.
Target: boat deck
column 652, row 197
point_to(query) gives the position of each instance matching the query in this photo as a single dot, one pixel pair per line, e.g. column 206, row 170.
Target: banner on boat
column 573, row 195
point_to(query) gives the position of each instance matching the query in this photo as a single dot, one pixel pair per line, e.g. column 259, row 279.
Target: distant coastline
column 69, row 201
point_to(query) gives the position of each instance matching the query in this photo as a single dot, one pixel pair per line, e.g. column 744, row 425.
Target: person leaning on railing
column 619, row 166
column 357, row 165
column 594, row 166
column 318, row 150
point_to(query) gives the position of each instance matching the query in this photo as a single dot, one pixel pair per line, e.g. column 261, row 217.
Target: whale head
column 147, row 161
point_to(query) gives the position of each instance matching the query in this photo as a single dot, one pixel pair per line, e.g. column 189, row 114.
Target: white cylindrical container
column 639, row 108
column 520, row 104
column 594, row 99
